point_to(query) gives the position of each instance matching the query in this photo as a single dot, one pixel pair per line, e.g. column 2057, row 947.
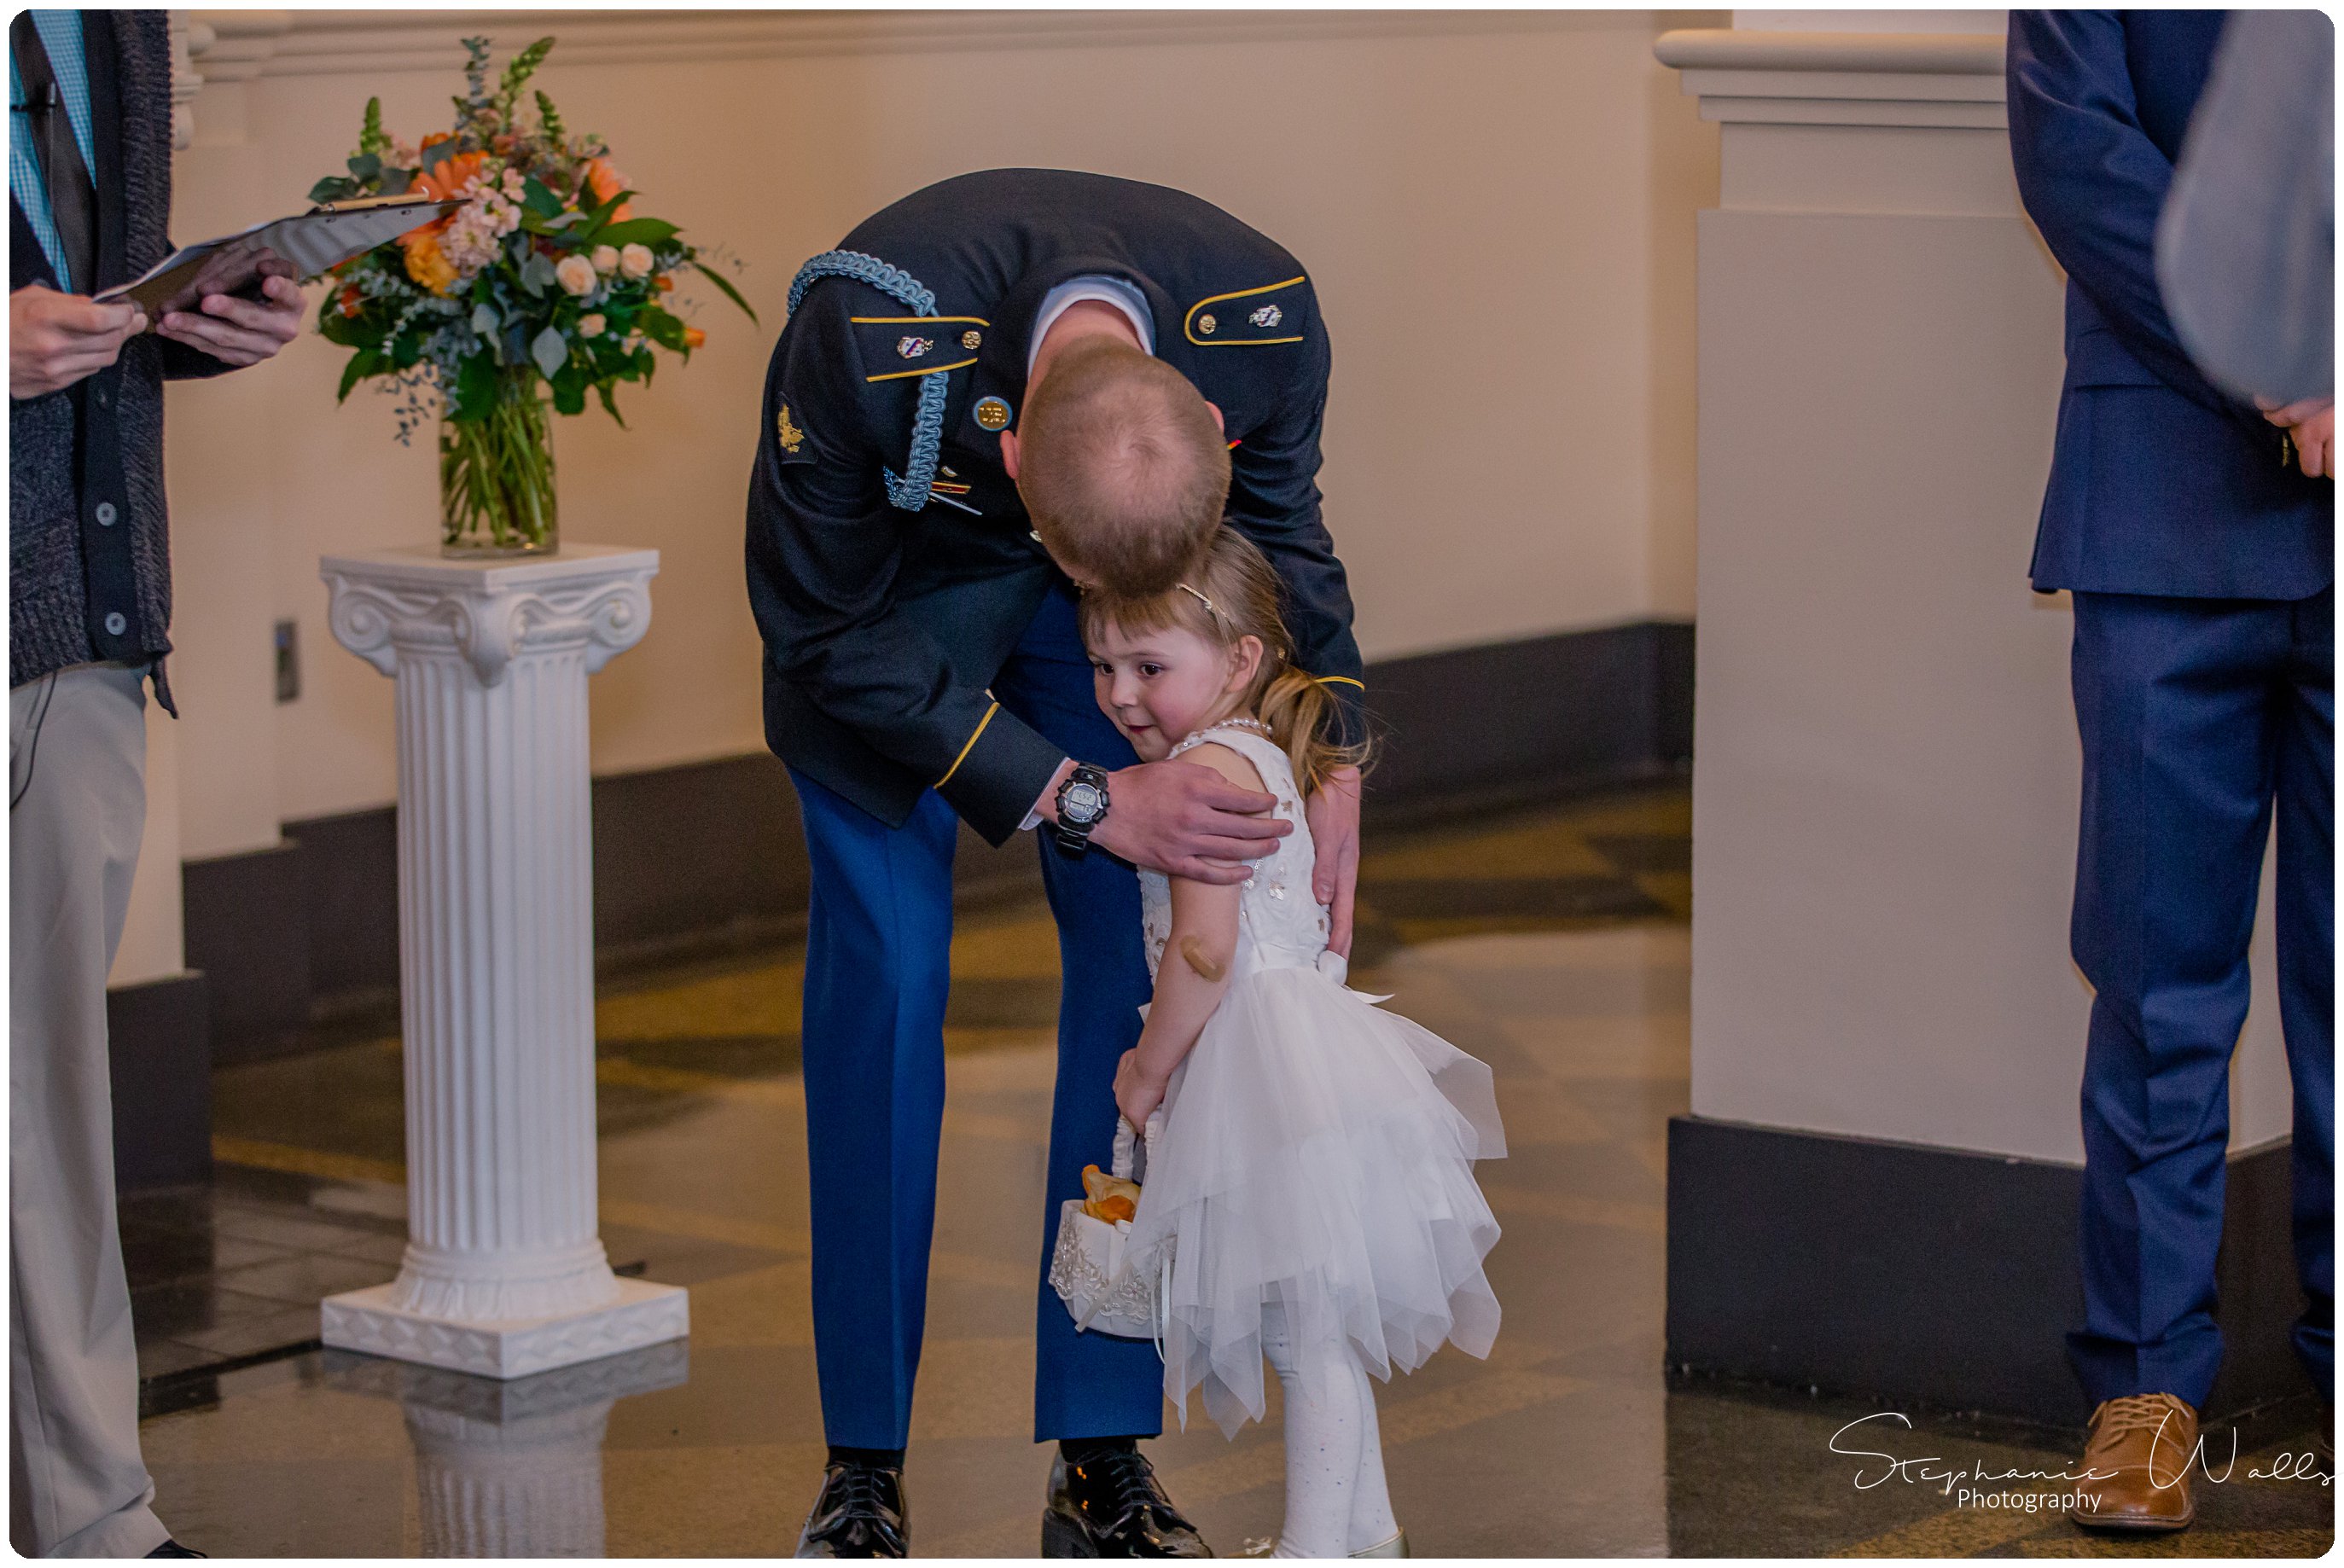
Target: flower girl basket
column 1108, row 1291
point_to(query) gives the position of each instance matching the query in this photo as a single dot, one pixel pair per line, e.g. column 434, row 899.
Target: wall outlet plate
column 289, row 660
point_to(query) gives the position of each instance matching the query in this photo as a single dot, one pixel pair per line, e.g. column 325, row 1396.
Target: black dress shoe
column 861, row 1513
column 1112, row 1505
column 173, row 1549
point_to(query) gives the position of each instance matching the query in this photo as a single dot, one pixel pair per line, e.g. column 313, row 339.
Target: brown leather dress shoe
column 2139, row 1458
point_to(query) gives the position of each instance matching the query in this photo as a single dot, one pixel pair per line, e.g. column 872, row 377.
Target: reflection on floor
column 1552, row 944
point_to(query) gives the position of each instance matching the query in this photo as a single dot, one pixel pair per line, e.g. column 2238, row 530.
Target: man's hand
column 1334, row 813
column 2311, row 425
column 1185, row 821
column 56, row 339
column 241, row 331
column 1137, row 1095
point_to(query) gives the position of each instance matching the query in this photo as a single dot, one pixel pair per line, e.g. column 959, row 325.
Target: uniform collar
column 1000, row 369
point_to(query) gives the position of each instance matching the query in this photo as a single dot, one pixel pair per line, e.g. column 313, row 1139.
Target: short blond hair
column 1122, row 465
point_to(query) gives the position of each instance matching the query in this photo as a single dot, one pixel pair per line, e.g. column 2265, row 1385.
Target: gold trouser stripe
column 1347, row 680
column 969, row 748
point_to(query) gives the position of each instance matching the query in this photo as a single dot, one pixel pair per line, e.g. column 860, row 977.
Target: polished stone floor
column 1551, row 943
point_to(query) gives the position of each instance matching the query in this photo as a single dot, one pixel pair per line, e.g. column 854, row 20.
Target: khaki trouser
column 77, row 794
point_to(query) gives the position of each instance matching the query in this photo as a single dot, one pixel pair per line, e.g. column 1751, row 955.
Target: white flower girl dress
column 1316, row 1156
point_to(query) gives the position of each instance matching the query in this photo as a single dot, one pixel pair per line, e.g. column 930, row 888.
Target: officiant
column 925, row 504
column 89, row 608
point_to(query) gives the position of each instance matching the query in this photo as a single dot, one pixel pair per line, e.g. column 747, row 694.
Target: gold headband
column 1201, row 599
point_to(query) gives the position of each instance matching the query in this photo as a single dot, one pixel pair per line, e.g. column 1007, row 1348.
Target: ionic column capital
column 387, row 603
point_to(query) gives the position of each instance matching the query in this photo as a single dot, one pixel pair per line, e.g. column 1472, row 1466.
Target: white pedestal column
column 504, row 1273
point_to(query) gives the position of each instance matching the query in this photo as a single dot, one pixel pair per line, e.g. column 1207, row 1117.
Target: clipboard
column 325, row 235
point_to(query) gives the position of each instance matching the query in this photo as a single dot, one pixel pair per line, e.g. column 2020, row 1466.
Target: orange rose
column 427, row 263
column 606, row 182
column 693, row 338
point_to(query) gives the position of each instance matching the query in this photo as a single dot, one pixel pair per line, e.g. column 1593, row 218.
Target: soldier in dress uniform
column 925, row 504
column 2198, row 536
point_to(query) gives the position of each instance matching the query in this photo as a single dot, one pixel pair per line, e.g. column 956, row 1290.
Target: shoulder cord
column 909, row 490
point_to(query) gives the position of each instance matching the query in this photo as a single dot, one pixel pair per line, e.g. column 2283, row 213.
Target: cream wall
column 1498, row 209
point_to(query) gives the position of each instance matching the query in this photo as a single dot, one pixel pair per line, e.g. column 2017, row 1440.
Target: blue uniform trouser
column 877, row 969
column 2200, row 718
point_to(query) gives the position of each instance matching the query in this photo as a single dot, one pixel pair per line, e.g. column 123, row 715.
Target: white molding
column 1918, row 79
column 1913, row 53
column 242, row 45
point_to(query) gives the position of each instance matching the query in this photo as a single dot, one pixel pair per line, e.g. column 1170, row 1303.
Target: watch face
column 1080, row 803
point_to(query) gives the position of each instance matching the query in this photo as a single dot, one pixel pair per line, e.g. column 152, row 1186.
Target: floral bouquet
column 542, row 285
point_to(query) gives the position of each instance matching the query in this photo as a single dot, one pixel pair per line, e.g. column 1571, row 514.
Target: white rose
column 575, row 274
column 606, row 258
column 635, row 261
column 591, row 325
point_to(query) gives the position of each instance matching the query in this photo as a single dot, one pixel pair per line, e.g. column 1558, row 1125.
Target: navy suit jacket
column 2161, row 483
column 883, row 628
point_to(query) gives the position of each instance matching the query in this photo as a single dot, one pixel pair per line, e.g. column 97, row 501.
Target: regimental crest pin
column 1266, row 316
column 789, row 435
column 993, row 413
column 1205, row 323
column 913, row 347
column 971, row 338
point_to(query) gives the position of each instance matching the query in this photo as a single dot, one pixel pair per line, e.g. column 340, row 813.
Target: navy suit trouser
column 2200, row 718
column 878, row 962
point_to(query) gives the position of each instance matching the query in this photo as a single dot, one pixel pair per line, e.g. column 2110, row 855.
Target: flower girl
column 1313, row 1176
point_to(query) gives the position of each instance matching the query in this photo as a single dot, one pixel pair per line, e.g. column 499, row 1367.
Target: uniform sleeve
column 2093, row 181
column 824, row 556
column 1274, row 498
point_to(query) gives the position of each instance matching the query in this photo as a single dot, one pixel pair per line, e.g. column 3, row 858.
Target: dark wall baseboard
column 158, row 1041
column 1934, row 1277
column 696, row 857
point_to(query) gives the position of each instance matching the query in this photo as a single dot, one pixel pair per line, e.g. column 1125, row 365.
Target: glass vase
column 496, row 476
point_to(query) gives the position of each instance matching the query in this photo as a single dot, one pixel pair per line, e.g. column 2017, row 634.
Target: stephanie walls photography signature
column 1936, row 1471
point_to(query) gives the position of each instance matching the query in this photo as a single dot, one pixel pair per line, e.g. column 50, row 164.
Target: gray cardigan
column 53, row 579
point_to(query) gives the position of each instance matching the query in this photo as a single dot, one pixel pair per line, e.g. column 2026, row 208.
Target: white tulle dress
column 1317, row 1152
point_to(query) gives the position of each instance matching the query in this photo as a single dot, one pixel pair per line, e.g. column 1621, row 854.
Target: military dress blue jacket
column 2161, row 483
column 892, row 571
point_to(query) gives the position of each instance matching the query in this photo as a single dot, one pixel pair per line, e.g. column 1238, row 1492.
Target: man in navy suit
column 2196, row 535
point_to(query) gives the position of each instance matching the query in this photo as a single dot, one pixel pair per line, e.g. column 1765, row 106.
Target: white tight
column 1336, row 1503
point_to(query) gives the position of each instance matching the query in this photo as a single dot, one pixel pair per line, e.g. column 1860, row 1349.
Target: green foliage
column 372, row 139
column 549, row 118
column 517, row 71
column 636, row 231
column 721, row 281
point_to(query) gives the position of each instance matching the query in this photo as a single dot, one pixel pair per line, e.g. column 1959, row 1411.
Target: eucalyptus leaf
column 365, row 166
column 333, row 188
column 551, row 350
column 396, row 181
column 537, row 275
column 538, row 199
column 484, row 320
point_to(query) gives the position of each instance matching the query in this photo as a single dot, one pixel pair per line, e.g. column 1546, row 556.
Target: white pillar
column 504, row 1273
column 511, row 1469
column 1886, row 777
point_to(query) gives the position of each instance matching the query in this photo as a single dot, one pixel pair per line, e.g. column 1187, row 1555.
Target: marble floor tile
column 1552, row 943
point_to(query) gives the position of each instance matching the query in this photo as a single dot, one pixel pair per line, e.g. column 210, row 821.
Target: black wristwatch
column 1082, row 806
